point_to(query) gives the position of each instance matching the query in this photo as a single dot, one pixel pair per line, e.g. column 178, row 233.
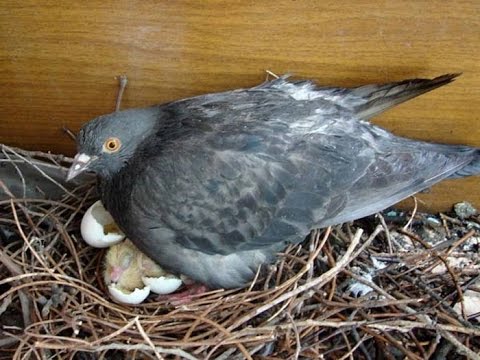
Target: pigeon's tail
column 378, row 98
column 472, row 168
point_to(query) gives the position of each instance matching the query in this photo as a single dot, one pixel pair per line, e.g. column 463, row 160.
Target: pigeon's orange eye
column 112, row 145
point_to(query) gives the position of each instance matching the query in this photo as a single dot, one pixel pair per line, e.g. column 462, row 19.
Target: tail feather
column 473, row 168
column 378, row 98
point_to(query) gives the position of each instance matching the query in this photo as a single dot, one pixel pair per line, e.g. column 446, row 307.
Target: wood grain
column 59, row 60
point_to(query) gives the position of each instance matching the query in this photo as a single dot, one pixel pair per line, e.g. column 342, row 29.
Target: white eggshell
column 135, row 297
column 163, row 284
column 92, row 227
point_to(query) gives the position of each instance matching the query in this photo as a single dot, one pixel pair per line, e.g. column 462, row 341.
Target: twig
column 461, row 349
column 147, row 339
column 387, row 232
column 121, row 346
column 399, row 325
column 298, row 348
column 17, row 169
column 324, row 278
column 25, row 302
column 44, row 174
column 407, row 225
column 350, row 353
column 69, row 132
column 271, row 73
column 123, row 80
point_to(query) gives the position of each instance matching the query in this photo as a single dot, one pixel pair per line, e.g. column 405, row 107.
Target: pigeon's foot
column 184, row 296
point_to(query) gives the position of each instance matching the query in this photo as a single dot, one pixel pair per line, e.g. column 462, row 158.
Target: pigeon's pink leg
column 184, row 296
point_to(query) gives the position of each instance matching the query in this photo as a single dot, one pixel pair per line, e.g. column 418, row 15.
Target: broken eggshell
column 98, row 228
column 162, row 285
column 134, row 297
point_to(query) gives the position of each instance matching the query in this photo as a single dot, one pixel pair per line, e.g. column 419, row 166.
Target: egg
column 134, row 297
column 98, row 228
column 163, row 284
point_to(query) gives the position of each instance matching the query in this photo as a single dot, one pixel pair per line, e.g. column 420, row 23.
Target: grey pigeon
column 215, row 185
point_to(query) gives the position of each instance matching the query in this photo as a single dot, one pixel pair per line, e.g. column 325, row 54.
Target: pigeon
column 214, row 186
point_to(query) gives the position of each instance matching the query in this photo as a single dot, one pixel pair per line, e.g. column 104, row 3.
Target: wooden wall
column 58, row 61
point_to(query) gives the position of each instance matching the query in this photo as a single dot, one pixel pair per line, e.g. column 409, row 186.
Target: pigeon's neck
column 114, row 192
column 103, row 184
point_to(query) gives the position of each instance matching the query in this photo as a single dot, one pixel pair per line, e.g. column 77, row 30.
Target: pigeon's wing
column 214, row 200
column 392, row 169
column 343, row 174
column 218, row 170
column 269, row 174
column 376, row 99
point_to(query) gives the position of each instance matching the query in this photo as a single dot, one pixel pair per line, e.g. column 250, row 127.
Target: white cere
column 84, row 158
column 98, row 228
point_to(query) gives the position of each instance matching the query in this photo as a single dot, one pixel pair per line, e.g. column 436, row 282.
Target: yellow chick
column 125, row 265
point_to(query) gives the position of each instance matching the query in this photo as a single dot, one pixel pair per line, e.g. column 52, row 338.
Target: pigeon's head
column 107, row 143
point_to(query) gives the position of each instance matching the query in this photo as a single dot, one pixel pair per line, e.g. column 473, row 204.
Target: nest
column 388, row 286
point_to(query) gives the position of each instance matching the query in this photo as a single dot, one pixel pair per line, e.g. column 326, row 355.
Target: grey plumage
column 215, row 185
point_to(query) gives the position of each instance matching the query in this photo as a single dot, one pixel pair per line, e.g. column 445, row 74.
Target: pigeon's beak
column 81, row 162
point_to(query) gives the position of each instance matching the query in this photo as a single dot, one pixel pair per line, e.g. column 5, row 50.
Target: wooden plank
column 58, row 61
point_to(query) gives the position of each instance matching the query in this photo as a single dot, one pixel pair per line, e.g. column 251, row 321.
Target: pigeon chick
column 127, row 269
column 123, row 266
column 215, row 185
